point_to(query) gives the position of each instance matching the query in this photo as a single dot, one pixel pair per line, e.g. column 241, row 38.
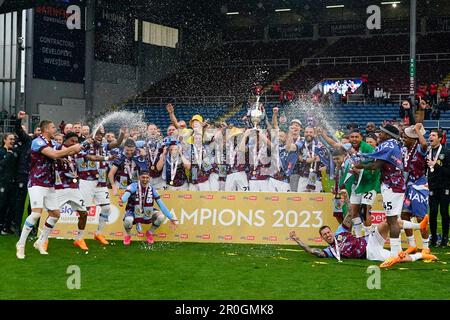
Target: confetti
column 320, row 262
column 444, row 270
column 87, row 252
column 403, row 269
column 231, row 254
column 428, row 261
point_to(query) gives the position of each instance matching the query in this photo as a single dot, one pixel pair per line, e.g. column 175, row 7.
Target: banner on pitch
column 224, row 217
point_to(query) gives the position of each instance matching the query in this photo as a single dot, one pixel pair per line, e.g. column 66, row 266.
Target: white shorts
column 92, row 194
column 367, row 198
column 183, row 187
column 72, row 197
column 260, row 186
column 237, row 181
column 41, row 197
column 303, row 182
column 375, row 250
column 214, row 183
column 158, row 183
column 204, row 186
column 279, row 186
column 392, row 202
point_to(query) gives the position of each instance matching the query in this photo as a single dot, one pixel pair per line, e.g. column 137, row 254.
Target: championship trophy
column 256, row 115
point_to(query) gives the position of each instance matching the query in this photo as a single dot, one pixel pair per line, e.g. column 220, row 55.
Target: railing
column 360, row 98
column 245, row 63
column 162, row 101
column 396, row 58
column 7, row 125
column 433, row 124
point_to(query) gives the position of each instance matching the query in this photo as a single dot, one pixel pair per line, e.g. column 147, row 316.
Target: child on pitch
column 140, row 197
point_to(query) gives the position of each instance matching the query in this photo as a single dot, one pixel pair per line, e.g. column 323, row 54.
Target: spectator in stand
column 435, row 114
column 365, row 85
column 370, row 128
column 444, row 136
column 406, row 113
column 433, row 93
column 276, row 88
column 347, row 94
column 444, row 95
column 428, row 99
column 336, row 98
column 427, row 107
column 421, row 90
column 387, row 96
column 378, row 94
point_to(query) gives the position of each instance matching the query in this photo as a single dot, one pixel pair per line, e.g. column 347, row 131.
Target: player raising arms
column 92, row 167
column 343, row 244
column 140, row 197
column 41, row 185
column 388, row 158
column 417, row 193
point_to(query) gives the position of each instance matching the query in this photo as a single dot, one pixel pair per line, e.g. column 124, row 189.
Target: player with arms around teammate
column 140, row 198
column 92, row 166
column 343, row 244
column 67, row 190
column 41, row 185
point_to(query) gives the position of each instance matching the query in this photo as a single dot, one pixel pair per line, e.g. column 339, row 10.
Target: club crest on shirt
column 442, row 156
column 91, row 164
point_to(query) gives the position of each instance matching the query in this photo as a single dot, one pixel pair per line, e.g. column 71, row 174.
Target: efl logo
column 228, row 237
column 208, row 197
column 187, row 196
column 296, row 199
column 272, row 238
column 162, row 235
column 206, row 237
column 119, row 234
column 253, row 198
column 183, row 236
column 275, row 198
column 317, row 240
column 250, row 238
column 166, row 196
column 231, row 198
column 319, row 199
column 55, row 231
column 140, row 235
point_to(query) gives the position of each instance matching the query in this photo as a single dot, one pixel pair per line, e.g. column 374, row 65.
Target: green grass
column 208, row 271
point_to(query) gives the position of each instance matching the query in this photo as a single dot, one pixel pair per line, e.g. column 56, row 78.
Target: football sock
column 411, row 241
column 357, row 225
column 104, row 214
column 48, row 227
column 416, row 256
column 410, row 225
column 396, row 246
column 28, row 226
column 425, row 243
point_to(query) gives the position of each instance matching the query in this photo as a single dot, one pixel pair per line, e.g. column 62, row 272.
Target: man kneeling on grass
column 343, row 244
column 140, row 197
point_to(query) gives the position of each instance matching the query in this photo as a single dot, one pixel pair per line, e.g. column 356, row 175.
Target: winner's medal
column 74, row 180
column 152, row 167
column 173, row 169
column 171, row 183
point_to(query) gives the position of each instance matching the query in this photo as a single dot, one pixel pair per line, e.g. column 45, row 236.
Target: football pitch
column 172, row 270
